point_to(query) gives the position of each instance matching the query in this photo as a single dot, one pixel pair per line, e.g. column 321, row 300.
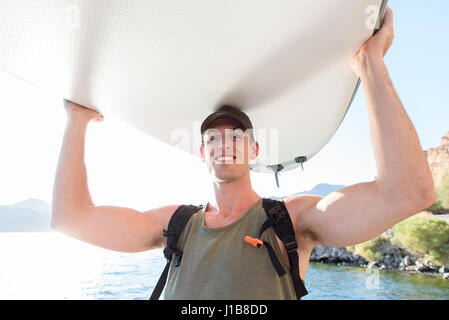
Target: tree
column 441, row 204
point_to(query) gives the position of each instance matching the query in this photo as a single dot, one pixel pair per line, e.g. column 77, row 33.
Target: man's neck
column 232, row 199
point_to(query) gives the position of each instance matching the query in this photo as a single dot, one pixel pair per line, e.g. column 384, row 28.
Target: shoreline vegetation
column 417, row 245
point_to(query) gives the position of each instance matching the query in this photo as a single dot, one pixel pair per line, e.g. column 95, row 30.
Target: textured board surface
column 163, row 66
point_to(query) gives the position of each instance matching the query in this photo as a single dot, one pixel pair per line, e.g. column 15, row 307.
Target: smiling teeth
column 224, row 159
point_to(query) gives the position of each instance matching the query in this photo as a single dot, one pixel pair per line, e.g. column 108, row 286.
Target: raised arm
column 404, row 184
column 75, row 214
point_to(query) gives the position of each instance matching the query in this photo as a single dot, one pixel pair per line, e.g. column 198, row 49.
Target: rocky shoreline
column 395, row 259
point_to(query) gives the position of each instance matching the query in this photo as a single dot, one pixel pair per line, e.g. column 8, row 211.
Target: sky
column 127, row 168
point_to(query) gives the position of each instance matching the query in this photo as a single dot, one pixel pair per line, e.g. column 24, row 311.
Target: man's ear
column 254, row 150
column 203, row 159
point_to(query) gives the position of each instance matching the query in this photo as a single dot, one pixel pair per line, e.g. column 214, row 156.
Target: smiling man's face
column 227, row 149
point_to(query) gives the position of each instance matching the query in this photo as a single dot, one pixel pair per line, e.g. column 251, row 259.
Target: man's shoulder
column 185, row 209
column 300, row 204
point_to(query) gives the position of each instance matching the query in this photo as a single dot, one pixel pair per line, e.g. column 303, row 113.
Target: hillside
column 25, row 216
column 438, row 159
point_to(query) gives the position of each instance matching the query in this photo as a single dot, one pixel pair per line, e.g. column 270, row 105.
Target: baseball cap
column 228, row 111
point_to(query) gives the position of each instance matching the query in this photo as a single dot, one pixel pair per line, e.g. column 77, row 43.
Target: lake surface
column 54, row 266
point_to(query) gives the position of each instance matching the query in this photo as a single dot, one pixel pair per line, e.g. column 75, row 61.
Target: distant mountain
column 322, row 189
column 34, row 204
column 25, row 216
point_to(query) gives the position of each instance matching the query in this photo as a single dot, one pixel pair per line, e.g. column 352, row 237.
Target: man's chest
column 211, row 220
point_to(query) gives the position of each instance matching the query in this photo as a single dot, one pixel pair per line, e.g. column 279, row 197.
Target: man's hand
column 77, row 110
column 377, row 46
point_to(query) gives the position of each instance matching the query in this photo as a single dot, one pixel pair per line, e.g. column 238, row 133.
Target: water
column 54, row 266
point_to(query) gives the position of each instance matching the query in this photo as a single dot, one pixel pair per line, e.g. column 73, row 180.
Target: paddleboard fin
column 300, row 160
column 276, row 168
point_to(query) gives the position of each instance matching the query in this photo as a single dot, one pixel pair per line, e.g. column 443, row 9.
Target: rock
column 345, row 256
column 373, row 264
column 445, row 140
column 323, row 257
column 434, row 267
column 388, row 260
column 402, row 252
column 408, row 261
column 421, row 267
column 443, row 269
column 361, row 260
column 386, row 248
column 410, row 268
column 438, row 160
column 319, row 250
column 334, row 253
column 389, row 232
column 397, row 260
column 446, row 276
column 332, row 259
column 352, row 259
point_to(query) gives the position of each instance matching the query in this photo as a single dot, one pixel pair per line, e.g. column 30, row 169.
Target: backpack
column 277, row 218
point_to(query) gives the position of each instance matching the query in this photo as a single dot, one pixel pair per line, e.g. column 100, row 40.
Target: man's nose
column 227, row 145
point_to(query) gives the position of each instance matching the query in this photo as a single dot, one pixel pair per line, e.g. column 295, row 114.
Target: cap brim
column 208, row 121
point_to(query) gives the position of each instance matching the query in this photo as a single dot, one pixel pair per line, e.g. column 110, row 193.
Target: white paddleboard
column 163, row 66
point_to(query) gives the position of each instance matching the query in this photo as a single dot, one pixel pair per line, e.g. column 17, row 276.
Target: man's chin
column 224, row 179
column 227, row 173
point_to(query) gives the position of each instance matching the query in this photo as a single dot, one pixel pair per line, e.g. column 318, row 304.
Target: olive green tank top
column 218, row 264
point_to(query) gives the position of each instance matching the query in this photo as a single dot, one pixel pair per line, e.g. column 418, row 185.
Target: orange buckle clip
column 257, row 243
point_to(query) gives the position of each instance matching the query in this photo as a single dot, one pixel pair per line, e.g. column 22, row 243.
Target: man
column 352, row 215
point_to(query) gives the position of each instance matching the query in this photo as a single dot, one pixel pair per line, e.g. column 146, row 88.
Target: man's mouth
column 224, row 159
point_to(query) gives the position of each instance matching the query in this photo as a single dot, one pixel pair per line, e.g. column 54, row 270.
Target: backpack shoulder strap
column 279, row 219
column 176, row 226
